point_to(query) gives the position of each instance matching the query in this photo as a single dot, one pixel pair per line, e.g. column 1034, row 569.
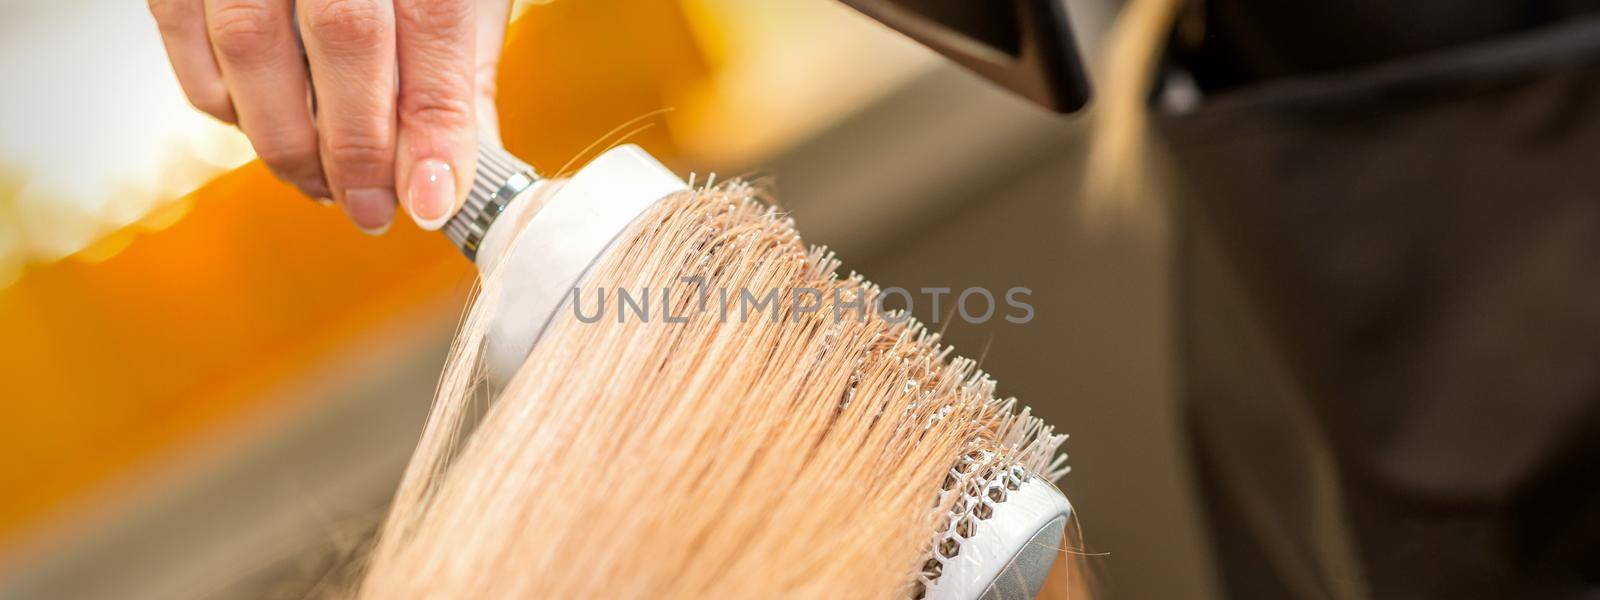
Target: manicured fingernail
column 372, row 209
column 432, row 194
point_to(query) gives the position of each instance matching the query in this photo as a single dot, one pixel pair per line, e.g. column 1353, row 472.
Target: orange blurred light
column 191, row 317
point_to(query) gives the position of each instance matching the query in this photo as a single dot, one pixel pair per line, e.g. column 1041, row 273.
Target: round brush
column 1001, row 534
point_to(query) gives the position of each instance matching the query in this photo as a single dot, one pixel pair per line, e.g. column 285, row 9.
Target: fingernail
column 316, row 192
column 372, row 209
column 325, row 201
column 432, row 194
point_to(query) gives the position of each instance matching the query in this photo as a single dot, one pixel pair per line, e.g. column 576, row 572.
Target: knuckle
column 286, row 159
column 351, row 23
column 359, row 150
column 174, row 14
column 435, row 108
column 436, row 15
column 244, row 31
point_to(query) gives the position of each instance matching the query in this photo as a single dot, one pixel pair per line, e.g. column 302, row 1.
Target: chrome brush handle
column 500, row 177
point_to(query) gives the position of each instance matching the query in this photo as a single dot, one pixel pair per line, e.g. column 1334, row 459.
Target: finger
column 351, row 46
column 492, row 18
column 438, row 142
column 260, row 60
column 183, row 32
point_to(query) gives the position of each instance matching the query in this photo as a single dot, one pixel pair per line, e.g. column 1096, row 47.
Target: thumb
column 492, row 21
column 488, row 121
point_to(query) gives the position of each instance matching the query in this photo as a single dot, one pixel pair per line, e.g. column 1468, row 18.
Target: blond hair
column 801, row 456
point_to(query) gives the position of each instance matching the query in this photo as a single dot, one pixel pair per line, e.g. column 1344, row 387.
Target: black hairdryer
column 1025, row 46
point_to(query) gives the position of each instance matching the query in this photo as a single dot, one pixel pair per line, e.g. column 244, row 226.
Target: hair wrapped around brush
column 709, row 455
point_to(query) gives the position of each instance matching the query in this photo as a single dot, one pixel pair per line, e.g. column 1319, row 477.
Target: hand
column 403, row 89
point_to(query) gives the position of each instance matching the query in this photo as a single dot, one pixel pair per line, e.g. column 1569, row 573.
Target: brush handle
column 499, row 179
